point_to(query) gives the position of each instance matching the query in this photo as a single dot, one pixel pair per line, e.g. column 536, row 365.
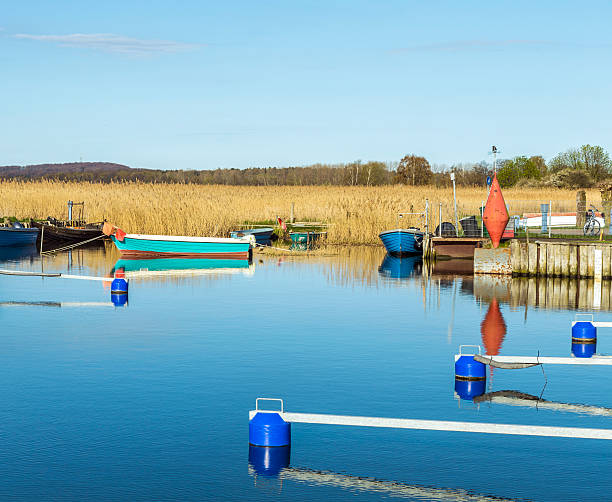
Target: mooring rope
column 71, row 246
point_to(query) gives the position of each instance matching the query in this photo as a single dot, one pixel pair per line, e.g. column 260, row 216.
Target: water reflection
column 493, row 329
column 372, row 485
column 17, row 253
column 394, row 267
column 163, row 267
column 516, row 398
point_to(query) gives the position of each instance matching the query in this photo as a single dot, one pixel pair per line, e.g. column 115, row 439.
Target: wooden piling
column 542, row 265
column 583, row 257
column 532, row 252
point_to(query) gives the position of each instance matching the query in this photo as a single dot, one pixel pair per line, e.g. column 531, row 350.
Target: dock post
column 532, row 251
column 292, row 217
column 573, row 261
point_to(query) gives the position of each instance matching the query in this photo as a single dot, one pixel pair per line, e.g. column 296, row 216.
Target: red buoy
column 495, row 216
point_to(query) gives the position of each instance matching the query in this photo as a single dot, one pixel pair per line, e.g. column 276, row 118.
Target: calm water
column 150, row 401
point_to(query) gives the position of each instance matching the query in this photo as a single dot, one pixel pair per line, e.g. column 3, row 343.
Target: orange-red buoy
column 493, row 329
column 495, row 215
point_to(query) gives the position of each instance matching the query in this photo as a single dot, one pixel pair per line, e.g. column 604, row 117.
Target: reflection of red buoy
column 493, row 329
column 495, row 215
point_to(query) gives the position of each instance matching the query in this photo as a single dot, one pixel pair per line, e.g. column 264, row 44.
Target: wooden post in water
column 542, row 270
column 583, row 256
column 573, row 261
column 550, row 259
column 532, row 251
column 606, row 261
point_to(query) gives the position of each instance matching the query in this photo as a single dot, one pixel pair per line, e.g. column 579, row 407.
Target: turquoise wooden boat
column 180, row 246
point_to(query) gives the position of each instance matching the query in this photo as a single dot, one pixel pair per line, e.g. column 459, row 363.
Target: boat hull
column 402, row 242
column 262, row 235
column 18, row 236
column 52, row 234
column 158, row 246
column 395, row 267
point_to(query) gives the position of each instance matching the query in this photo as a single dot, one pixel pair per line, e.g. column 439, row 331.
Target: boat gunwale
column 181, row 238
column 406, row 230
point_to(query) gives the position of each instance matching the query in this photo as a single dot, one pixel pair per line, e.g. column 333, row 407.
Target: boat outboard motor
column 17, row 224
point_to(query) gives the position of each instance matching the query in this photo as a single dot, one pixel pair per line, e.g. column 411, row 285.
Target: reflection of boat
column 17, row 253
column 152, row 267
column 262, row 235
column 174, row 246
column 17, row 235
column 403, row 241
column 395, row 267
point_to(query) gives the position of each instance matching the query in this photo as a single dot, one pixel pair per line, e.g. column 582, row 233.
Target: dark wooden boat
column 54, row 232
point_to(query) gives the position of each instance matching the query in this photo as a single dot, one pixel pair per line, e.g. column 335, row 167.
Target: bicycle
column 592, row 227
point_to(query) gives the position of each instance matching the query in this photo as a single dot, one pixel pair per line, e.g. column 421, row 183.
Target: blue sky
column 201, row 85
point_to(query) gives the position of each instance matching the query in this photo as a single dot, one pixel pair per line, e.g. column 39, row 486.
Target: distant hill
column 356, row 173
column 70, row 168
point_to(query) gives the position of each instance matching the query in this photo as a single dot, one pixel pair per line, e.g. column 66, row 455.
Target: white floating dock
column 439, row 425
column 580, row 361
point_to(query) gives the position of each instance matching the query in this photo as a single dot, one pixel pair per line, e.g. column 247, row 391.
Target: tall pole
column 440, row 221
column 455, row 200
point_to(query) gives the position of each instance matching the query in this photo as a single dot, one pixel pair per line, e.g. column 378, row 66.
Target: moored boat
column 262, row 235
column 63, row 233
column 173, row 246
column 403, row 241
column 18, row 235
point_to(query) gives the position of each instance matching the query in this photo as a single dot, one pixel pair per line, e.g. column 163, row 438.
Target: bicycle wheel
column 591, row 228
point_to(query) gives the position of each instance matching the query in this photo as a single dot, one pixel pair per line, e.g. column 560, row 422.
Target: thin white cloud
column 459, row 45
column 110, row 42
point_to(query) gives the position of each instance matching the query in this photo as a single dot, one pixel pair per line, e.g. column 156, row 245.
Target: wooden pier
column 562, row 259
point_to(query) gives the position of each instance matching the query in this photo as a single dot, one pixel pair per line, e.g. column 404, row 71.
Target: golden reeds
column 356, row 215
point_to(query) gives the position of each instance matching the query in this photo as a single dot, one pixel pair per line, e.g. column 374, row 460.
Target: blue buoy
column 469, row 389
column 584, row 349
column 583, row 332
column 119, row 300
column 269, row 429
column 269, row 462
column 468, row 369
column 119, row 286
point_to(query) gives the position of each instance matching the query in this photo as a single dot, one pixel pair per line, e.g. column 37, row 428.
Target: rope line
column 71, row 246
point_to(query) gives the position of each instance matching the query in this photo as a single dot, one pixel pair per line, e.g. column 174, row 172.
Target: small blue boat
column 403, row 242
column 18, row 235
column 395, row 267
column 262, row 235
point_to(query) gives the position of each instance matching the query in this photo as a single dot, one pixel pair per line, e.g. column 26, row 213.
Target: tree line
column 575, row 168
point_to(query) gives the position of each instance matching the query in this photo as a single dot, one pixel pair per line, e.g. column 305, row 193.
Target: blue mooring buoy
column 584, row 339
column 269, row 429
column 466, row 368
column 119, row 286
column 269, row 462
column 470, row 377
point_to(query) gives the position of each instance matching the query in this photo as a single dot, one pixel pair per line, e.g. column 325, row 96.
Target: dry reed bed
column 356, row 214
